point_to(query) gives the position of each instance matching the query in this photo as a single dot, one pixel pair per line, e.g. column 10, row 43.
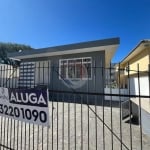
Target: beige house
column 135, row 76
column 136, row 63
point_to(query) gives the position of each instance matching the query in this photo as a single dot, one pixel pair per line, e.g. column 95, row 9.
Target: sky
column 46, row 23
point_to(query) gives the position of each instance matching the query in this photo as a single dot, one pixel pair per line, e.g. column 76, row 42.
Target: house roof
column 138, row 49
column 108, row 45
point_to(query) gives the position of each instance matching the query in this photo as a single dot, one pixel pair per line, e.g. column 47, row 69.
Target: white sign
column 29, row 105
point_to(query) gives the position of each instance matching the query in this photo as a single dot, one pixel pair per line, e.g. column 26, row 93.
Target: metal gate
column 76, row 122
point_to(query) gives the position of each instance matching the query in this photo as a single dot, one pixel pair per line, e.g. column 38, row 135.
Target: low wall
column 116, row 91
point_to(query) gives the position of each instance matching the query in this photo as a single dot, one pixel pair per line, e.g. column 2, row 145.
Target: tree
column 9, row 48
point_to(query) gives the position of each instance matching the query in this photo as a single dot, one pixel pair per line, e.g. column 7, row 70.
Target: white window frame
column 82, row 58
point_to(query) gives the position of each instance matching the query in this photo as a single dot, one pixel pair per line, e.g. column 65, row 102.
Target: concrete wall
column 145, row 121
column 145, row 117
column 116, row 91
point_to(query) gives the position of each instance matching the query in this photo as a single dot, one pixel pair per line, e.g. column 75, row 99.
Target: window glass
column 76, row 68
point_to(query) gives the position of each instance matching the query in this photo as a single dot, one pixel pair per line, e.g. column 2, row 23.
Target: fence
column 80, row 116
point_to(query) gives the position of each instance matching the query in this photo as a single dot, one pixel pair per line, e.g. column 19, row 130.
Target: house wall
column 93, row 85
column 143, row 60
column 34, row 73
column 145, row 121
column 116, row 91
column 139, row 85
column 145, row 115
column 96, row 84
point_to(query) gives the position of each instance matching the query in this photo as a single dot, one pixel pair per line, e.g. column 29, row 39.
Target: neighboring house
column 134, row 65
column 136, row 77
column 78, row 67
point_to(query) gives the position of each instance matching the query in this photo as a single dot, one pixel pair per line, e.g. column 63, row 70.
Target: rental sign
column 28, row 105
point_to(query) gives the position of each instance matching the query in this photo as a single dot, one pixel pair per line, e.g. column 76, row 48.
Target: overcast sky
column 45, row 23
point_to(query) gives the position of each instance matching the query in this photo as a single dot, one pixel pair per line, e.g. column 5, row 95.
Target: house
column 74, row 67
column 137, row 60
column 136, row 77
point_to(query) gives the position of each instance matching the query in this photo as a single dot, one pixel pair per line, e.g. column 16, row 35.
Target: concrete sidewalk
column 71, row 128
